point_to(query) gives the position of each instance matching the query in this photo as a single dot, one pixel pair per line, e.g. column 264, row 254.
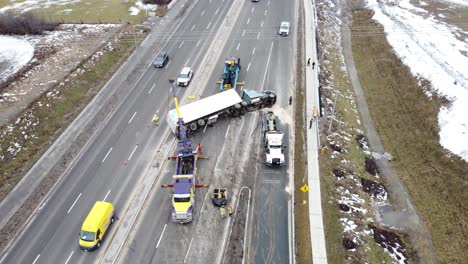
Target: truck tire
column 201, row 122
column 242, row 112
column 193, row 126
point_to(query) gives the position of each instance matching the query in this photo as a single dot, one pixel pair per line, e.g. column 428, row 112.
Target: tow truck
column 273, row 140
column 184, row 181
column 231, row 74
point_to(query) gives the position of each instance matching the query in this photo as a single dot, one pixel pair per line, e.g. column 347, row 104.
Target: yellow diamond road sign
column 305, row 188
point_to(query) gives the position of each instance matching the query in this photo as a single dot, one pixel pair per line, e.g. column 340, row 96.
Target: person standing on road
column 290, row 100
column 223, row 212
column 311, row 122
column 200, row 150
column 156, row 119
column 229, row 209
column 308, row 62
column 313, row 65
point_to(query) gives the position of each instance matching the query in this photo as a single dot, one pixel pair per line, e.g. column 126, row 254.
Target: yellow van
column 96, row 225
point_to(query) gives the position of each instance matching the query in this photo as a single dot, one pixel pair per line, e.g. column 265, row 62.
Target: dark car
column 161, row 60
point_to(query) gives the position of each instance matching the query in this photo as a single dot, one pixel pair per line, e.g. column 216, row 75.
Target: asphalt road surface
column 115, row 162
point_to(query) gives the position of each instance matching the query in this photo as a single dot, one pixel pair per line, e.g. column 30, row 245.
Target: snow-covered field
column 14, row 55
column 436, row 51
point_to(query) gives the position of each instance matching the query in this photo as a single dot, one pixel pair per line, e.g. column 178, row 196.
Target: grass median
column 407, row 123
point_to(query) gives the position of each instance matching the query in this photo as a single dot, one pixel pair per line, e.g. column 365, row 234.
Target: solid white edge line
column 198, row 43
column 188, row 250
column 227, row 131
column 152, row 87
column 209, row 24
column 133, row 116
column 161, row 236
column 105, row 197
column 187, row 62
column 167, row 65
column 129, row 158
column 69, row 257
column 76, row 200
column 108, row 152
column 36, row 258
column 238, row 46
column 181, row 44
column 248, row 67
column 3, row 258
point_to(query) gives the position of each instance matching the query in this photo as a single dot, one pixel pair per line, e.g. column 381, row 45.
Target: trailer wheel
column 193, row 126
column 242, row 112
column 201, row 122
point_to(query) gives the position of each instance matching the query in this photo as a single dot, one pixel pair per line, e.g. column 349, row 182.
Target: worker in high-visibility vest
column 314, row 112
column 229, row 209
column 156, row 119
column 223, row 212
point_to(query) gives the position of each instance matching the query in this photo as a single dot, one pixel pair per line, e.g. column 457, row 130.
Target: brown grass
column 407, row 123
column 301, row 213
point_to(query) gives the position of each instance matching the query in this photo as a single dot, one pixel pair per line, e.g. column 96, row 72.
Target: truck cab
column 183, row 199
column 273, row 140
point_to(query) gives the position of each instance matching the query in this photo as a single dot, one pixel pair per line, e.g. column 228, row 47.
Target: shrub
column 27, row 23
column 157, row 2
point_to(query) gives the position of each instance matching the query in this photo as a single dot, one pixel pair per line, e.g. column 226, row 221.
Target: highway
column 114, row 164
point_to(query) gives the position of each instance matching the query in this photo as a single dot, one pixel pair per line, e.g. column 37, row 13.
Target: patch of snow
column 432, row 50
column 139, row 6
column 458, row 2
column 29, row 5
column 14, row 55
column 133, row 11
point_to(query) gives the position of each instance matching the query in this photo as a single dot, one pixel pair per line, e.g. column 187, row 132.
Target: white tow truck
column 273, row 140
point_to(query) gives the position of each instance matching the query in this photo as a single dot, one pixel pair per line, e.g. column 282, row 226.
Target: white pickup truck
column 273, row 140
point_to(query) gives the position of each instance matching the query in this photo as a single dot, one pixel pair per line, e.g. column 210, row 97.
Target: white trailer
column 206, row 111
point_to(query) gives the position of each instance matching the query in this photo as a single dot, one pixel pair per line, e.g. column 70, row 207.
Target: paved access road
column 118, row 158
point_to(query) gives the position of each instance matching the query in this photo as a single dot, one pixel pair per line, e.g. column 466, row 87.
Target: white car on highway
column 284, row 28
column 185, row 77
